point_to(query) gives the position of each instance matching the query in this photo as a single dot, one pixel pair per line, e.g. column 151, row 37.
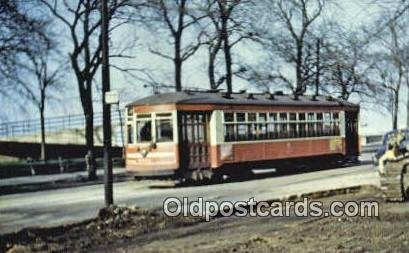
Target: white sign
column 112, row 97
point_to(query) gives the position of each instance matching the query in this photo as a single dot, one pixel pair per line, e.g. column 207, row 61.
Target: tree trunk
column 228, row 60
column 178, row 63
column 227, row 54
column 43, row 155
column 317, row 74
column 212, row 59
column 210, row 71
column 396, row 110
column 178, row 74
column 299, row 89
column 89, row 130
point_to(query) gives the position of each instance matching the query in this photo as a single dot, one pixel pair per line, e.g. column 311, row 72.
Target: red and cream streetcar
column 194, row 135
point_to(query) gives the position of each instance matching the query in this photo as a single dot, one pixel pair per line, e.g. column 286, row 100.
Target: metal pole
column 122, row 132
column 106, row 108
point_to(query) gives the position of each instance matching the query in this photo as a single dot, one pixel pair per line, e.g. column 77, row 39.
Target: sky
column 352, row 13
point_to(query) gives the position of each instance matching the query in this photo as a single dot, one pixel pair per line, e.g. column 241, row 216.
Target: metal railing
column 53, row 124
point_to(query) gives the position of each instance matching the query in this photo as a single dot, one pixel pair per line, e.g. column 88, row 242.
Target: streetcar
column 195, row 135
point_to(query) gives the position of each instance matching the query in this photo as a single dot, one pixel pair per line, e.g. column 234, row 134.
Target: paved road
column 41, row 179
column 54, row 207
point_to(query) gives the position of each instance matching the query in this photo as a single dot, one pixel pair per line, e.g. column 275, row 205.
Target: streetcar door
column 351, row 133
column 194, row 140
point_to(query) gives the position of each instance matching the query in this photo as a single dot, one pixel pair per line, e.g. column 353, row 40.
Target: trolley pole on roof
column 106, row 107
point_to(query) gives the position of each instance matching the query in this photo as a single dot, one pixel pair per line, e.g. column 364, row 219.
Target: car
column 384, row 147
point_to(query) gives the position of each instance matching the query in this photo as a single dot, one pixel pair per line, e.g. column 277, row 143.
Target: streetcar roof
column 222, row 98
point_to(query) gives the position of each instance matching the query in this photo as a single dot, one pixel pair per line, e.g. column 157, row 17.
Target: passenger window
column 130, row 111
column 242, row 132
column 228, row 117
column 241, row 117
column 327, row 124
column 262, row 117
column 164, row 130
column 335, row 124
column 310, row 125
column 252, row 131
column 283, row 117
column 273, row 117
column 272, row 130
column 229, row 132
column 320, row 129
column 252, row 117
column 144, row 129
column 129, row 116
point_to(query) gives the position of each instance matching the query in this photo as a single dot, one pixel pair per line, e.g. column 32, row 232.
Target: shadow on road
column 272, row 172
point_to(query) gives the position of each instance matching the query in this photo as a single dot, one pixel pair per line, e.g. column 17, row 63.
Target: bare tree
column 285, row 27
column 27, row 48
column 21, row 33
column 390, row 67
column 83, row 20
column 228, row 30
column 346, row 65
column 175, row 17
column 38, row 76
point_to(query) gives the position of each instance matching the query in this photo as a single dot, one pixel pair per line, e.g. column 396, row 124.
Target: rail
column 53, row 124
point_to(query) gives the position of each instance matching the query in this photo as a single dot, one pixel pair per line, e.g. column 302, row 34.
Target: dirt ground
column 135, row 230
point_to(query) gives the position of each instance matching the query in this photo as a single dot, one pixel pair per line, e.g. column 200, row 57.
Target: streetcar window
column 262, row 131
column 319, row 126
column 327, row 124
column 144, row 130
column 130, row 111
column 129, row 114
column 301, row 131
column 162, row 115
column 242, row 126
column 282, row 125
column 262, row 117
column 228, row 117
column 164, row 130
column 143, row 116
column 310, row 124
column 252, row 116
column 229, row 132
column 335, row 124
column 252, row 131
column 271, row 130
column 242, row 132
column 273, row 117
column 241, row 117
column 292, row 125
column 283, row 117
column 293, row 130
column 130, row 134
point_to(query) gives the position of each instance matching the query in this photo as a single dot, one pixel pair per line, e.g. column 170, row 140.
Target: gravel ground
column 130, row 229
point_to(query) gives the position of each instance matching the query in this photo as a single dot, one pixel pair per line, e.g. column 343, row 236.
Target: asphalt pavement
column 67, row 205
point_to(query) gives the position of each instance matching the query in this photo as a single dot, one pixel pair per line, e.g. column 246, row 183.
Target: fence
column 53, row 124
